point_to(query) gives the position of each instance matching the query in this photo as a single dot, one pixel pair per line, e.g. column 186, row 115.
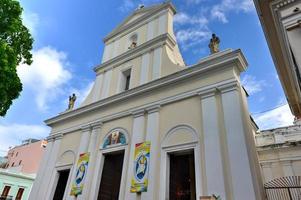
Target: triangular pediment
column 139, row 13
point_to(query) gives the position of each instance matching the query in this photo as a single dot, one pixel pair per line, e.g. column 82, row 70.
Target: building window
column 17, row 154
column 12, row 164
column 20, row 162
column 20, row 194
column 125, row 80
column 5, row 191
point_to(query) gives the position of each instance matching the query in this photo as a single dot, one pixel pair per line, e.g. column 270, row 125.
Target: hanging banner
column 81, row 173
column 139, row 180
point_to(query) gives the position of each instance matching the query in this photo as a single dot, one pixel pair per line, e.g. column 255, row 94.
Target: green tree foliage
column 15, row 45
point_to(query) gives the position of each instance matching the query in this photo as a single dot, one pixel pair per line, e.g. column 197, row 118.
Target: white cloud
column 13, row 134
column 194, row 1
column 31, row 21
column 278, row 117
column 46, row 76
column 252, row 85
column 183, row 18
column 127, row 5
column 192, row 35
column 196, row 32
column 221, row 10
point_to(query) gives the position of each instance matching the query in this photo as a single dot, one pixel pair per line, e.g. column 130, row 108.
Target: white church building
column 153, row 128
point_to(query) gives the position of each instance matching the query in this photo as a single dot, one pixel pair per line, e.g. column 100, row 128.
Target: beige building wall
column 279, row 152
column 200, row 108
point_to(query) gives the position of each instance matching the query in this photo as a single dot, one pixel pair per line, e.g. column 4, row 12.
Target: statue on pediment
column 72, row 100
column 214, row 44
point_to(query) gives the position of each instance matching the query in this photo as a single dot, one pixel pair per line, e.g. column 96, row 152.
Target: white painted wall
column 144, row 68
column 152, row 135
column 106, row 84
column 212, row 143
column 137, row 137
column 157, row 63
column 238, row 156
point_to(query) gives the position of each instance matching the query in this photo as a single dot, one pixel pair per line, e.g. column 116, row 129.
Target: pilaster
column 50, row 171
column 241, row 176
column 212, row 142
column 137, row 137
column 267, row 171
column 83, row 147
column 152, row 135
column 92, row 149
column 37, row 184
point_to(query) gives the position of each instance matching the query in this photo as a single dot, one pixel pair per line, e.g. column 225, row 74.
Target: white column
column 212, row 145
column 38, row 182
column 83, row 147
column 144, row 68
column 137, row 137
column 236, row 143
column 47, row 184
column 267, row 172
column 287, row 168
column 106, row 84
column 152, row 135
column 92, row 149
column 98, row 87
column 157, row 63
column 150, row 30
column 96, row 175
column 162, row 24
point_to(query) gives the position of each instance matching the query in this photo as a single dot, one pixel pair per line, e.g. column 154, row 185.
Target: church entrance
column 111, row 176
column 61, row 185
column 182, row 176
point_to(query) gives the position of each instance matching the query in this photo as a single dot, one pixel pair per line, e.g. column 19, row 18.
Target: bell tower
column 141, row 49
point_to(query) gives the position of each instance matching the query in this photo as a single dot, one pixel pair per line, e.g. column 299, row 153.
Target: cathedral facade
column 152, row 127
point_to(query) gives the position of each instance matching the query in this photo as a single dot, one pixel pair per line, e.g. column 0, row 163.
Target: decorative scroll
column 114, row 138
column 81, row 173
column 139, row 180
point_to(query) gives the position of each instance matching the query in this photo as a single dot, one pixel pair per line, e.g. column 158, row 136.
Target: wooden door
column 61, row 185
column 111, row 177
column 182, row 177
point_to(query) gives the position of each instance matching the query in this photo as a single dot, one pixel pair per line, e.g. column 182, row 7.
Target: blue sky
column 68, row 44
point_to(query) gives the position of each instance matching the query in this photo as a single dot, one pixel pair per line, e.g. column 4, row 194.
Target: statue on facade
column 214, row 44
column 72, row 100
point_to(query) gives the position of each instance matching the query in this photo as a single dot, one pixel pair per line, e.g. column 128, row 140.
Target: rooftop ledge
column 205, row 65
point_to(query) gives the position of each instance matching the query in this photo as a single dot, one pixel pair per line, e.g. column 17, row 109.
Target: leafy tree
column 15, row 45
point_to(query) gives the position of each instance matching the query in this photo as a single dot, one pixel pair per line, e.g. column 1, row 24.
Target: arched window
column 116, row 137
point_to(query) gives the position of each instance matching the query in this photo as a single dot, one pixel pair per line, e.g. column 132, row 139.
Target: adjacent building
column 281, row 23
column 279, row 152
column 151, row 127
column 19, row 172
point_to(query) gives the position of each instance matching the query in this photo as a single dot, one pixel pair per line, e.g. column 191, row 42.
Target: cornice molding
column 96, row 125
column 54, row 137
column 153, row 109
column 138, row 113
column 283, row 3
column 225, row 60
column 207, row 93
column 137, row 51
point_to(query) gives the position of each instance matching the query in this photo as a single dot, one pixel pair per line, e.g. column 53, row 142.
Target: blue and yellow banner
column 81, row 173
column 139, row 180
